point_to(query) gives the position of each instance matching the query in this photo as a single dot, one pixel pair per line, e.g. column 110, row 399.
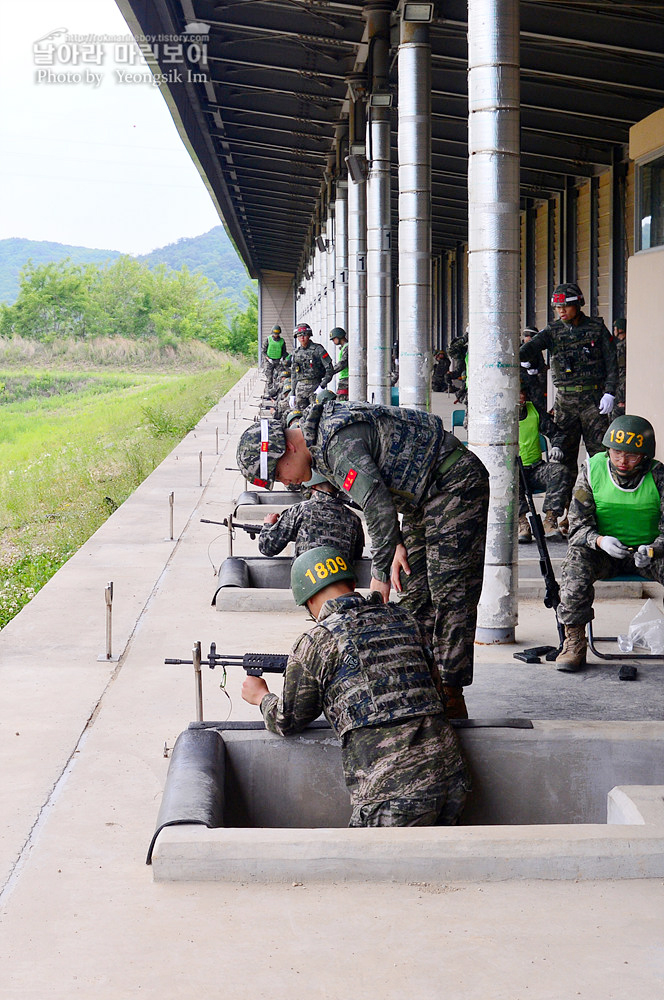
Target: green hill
column 211, row 254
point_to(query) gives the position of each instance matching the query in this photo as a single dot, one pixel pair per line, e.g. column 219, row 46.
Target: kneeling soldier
column 366, row 667
column 616, row 526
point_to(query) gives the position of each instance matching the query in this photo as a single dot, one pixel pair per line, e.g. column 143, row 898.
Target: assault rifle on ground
column 552, row 589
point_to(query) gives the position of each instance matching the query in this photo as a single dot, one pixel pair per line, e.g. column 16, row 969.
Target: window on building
column 651, row 204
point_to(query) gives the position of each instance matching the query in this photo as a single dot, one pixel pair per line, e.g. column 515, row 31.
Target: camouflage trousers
column 305, row 394
column 582, row 567
column 407, row 773
column 445, row 542
column 342, row 388
column 271, row 369
column 535, row 386
column 552, row 478
column 577, row 415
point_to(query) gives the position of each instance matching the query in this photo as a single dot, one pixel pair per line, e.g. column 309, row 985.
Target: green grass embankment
column 73, row 447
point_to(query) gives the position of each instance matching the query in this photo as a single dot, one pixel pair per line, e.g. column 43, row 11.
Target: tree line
column 126, row 298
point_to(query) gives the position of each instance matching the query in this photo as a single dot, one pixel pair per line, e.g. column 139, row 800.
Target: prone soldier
column 390, row 460
column 365, row 665
column 323, row 519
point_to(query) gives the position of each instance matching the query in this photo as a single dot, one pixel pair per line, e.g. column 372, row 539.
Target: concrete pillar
column 357, row 245
column 379, row 243
column 414, row 144
column 493, row 293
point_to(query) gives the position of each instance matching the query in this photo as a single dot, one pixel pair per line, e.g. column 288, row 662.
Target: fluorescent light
column 422, row 12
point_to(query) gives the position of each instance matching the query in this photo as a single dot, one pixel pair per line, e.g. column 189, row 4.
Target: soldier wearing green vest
column 274, row 352
column 616, row 526
column 366, row 666
column 552, row 476
column 339, row 338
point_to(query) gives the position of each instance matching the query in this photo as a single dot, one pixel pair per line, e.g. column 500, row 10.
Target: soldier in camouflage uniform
column 534, row 373
column 311, row 366
column 553, row 477
column 323, row 519
column 392, row 460
column 616, row 527
column 620, row 339
column 584, row 369
column 274, row 352
column 366, row 667
column 339, row 338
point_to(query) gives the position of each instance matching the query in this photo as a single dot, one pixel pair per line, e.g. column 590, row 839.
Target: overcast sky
column 95, row 164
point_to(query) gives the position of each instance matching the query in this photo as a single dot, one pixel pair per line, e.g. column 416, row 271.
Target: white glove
column 642, row 556
column 529, row 369
column 556, row 454
column 613, row 547
column 606, row 403
column 291, row 402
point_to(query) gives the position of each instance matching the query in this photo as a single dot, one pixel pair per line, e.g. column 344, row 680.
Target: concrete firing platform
column 81, row 751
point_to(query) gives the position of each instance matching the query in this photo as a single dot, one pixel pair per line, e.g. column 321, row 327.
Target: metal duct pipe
column 357, row 245
column 379, row 243
column 493, row 293
column 414, row 144
column 330, row 304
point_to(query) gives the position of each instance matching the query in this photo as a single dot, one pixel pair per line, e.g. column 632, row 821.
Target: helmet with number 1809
column 316, row 569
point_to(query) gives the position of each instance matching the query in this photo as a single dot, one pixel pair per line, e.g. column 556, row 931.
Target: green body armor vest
column 632, row 516
column 529, row 442
column 275, row 348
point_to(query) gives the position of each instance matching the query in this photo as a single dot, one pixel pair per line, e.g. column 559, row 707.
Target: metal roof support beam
column 379, row 242
column 341, row 230
column 414, row 143
column 493, row 294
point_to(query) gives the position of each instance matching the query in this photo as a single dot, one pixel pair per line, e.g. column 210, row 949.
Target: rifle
column 228, row 522
column 255, row 664
column 552, row 589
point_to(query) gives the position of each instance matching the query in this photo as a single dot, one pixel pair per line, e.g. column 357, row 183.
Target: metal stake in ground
column 108, row 597
column 171, row 502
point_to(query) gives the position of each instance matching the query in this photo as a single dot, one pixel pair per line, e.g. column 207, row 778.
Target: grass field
column 73, row 446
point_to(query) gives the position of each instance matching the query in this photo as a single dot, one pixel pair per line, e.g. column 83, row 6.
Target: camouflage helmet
column 258, row 451
column 630, row 433
column 293, row 417
column 316, row 569
column 302, row 330
column 276, row 329
column 338, row 333
column 316, row 480
column 324, row 395
column 567, row 294
column 620, row 323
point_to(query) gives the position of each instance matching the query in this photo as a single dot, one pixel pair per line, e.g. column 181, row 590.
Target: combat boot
column 525, row 535
column 455, row 706
column 573, row 654
column 552, row 532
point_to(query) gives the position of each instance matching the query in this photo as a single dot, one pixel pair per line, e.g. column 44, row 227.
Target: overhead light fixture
column 380, row 99
column 422, row 12
column 357, row 86
column 356, row 168
column 321, row 243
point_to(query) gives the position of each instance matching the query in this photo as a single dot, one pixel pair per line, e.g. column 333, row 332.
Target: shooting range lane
column 84, row 782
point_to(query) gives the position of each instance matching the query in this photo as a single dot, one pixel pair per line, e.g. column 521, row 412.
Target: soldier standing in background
column 535, row 371
column 366, row 667
column 339, row 338
column 311, row 366
column 274, row 352
column 584, row 369
column 390, row 460
column 620, row 340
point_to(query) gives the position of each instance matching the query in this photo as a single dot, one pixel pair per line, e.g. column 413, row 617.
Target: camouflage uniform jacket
column 311, row 364
column 321, row 520
column 581, row 355
column 364, row 665
column 583, row 514
column 342, row 361
column 384, row 458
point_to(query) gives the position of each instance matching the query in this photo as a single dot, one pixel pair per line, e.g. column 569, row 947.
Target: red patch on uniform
column 259, row 482
column 350, row 479
column 264, row 445
column 326, row 355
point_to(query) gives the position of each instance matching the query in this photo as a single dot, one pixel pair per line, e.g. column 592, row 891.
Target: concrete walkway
column 83, row 765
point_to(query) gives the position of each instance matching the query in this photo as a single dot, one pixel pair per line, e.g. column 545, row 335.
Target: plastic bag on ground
column 646, row 630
